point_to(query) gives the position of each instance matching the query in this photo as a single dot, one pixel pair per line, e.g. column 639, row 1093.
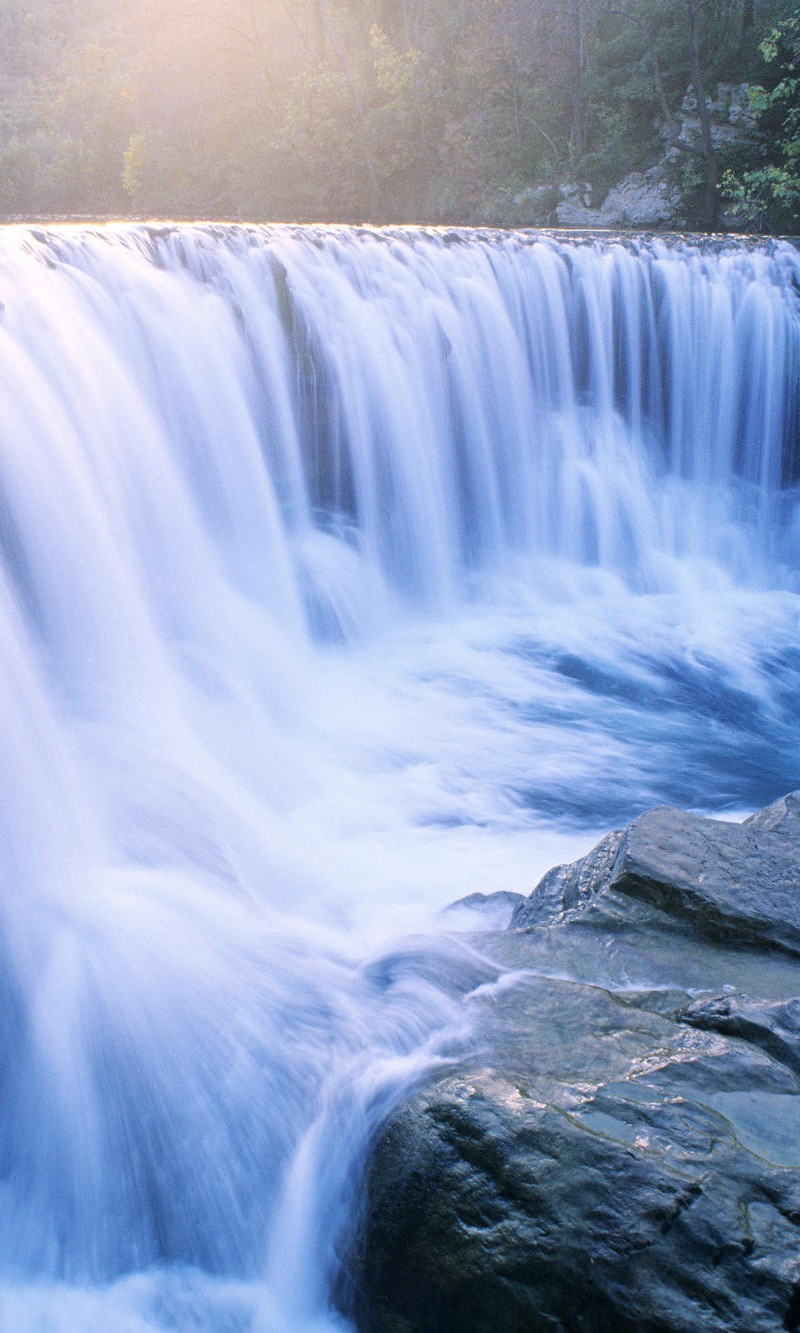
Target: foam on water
column 342, row 573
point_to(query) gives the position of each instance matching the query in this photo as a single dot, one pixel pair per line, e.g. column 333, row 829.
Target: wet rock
column 772, row 1025
column 622, row 1149
column 493, row 910
column 734, row 882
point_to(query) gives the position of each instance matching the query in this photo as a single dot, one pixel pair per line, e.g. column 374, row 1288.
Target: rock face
column 735, row 882
column 644, row 199
column 653, row 199
column 622, row 1151
column 732, row 117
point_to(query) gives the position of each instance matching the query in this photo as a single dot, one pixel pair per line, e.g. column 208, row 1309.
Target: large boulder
column 725, row 881
column 622, row 1149
column 642, row 200
column 575, row 207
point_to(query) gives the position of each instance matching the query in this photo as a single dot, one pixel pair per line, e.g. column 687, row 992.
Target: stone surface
column 643, row 199
column 493, row 911
column 622, row 1149
column 733, row 882
column 652, row 199
column 575, row 207
column 731, row 115
column 771, row 1025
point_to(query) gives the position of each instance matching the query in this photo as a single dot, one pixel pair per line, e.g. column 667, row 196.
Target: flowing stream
column 343, row 573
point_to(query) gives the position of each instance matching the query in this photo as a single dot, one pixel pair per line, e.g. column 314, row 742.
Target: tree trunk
column 748, row 23
column 707, row 146
column 579, row 61
column 339, row 52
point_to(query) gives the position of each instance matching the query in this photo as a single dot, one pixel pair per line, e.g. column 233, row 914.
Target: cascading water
column 341, row 573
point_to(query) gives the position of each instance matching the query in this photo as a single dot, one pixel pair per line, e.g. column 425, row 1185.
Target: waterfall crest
column 420, row 405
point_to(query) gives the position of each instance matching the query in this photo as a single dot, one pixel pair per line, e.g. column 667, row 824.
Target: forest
column 439, row 111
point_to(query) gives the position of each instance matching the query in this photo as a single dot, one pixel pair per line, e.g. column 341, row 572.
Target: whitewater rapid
column 343, row 573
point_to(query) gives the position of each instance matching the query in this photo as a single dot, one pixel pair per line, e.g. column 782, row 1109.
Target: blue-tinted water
column 342, row 574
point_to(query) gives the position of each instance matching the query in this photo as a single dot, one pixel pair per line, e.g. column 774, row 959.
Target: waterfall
column 342, row 572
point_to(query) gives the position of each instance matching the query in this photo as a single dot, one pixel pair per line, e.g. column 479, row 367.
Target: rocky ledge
column 622, row 1152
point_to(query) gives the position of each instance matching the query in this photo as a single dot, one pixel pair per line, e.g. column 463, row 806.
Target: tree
column 445, row 110
column 670, row 55
column 769, row 194
column 89, row 119
column 707, row 153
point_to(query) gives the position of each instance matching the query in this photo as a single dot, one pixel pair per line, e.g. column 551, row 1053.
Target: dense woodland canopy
column 423, row 110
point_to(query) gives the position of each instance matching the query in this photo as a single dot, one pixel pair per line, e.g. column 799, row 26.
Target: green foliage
column 20, row 176
column 89, row 119
column 768, row 194
column 135, row 165
column 622, row 109
column 445, row 110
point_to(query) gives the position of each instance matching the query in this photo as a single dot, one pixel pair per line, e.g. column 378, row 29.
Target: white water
column 343, row 574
